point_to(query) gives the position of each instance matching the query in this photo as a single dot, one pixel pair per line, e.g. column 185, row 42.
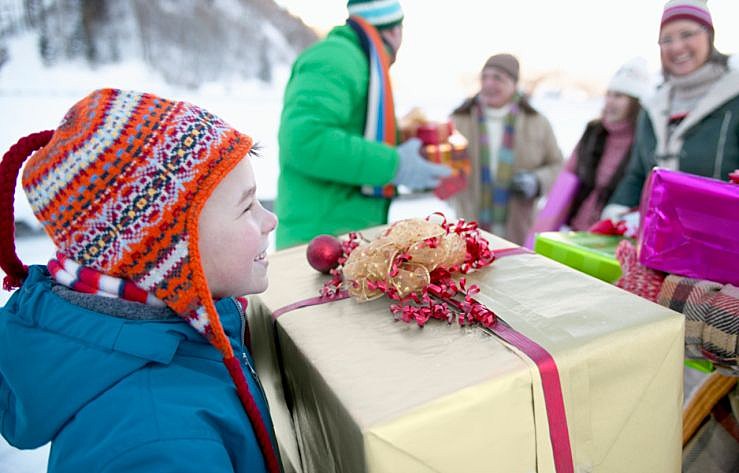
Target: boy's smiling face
column 233, row 231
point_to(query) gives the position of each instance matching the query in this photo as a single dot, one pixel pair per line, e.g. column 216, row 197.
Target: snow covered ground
column 22, row 461
column 35, row 98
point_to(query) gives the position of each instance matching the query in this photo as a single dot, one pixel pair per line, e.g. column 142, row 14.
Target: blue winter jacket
column 115, row 394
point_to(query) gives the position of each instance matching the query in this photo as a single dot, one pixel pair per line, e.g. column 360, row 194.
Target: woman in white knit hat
column 692, row 122
column 600, row 157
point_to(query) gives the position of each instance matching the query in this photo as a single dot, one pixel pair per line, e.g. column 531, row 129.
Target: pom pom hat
column 119, row 188
column 631, row 79
column 694, row 10
column 382, row 14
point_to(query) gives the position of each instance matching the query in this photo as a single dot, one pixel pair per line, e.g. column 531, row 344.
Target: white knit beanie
column 631, row 79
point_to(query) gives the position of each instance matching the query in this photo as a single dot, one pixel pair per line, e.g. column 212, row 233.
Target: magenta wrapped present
column 690, row 226
column 556, row 208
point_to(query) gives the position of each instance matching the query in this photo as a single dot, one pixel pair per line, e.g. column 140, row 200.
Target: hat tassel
column 252, row 411
column 11, row 164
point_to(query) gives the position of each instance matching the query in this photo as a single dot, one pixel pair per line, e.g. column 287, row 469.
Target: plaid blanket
column 711, row 318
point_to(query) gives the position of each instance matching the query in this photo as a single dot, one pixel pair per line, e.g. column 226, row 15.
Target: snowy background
column 35, row 92
column 35, row 97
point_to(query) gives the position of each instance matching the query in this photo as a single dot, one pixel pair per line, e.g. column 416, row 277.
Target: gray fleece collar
column 115, row 307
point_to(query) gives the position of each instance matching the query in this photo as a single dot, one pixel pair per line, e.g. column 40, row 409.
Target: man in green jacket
column 338, row 159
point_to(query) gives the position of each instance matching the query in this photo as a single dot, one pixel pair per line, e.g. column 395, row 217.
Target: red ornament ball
column 324, row 252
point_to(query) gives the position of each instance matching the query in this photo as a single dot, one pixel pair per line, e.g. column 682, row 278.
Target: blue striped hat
column 381, row 14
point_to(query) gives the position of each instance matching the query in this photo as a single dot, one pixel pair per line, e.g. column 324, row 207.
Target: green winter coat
column 324, row 157
column 705, row 143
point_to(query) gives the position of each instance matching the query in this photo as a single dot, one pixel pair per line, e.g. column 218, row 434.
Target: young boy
column 115, row 352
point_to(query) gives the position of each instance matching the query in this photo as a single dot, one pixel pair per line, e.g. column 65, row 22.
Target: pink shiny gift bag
column 690, row 226
column 556, row 208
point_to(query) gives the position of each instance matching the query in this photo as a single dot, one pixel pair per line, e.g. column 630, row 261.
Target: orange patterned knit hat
column 119, row 188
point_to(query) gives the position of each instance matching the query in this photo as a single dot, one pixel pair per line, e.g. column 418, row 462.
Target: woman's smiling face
column 684, row 46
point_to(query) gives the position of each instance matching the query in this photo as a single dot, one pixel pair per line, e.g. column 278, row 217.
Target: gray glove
column 525, row 184
column 415, row 172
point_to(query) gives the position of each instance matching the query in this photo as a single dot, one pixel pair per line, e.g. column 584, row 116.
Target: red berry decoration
column 324, row 252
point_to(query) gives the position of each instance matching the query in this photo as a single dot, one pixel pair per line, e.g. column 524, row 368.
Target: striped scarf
column 380, row 123
column 495, row 184
column 90, row 281
column 73, row 275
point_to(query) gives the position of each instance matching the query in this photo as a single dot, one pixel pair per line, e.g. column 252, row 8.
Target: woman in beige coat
column 513, row 152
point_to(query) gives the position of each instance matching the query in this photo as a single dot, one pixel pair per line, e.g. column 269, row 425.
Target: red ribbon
column 309, row 302
column 550, row 384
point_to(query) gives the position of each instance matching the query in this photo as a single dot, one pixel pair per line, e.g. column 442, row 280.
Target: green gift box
column 587, row 252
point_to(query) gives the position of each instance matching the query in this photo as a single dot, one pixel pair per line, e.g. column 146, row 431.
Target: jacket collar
column 57, row 356
column 657, row 108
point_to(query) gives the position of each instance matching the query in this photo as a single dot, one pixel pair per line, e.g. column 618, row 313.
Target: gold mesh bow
column 402, row 259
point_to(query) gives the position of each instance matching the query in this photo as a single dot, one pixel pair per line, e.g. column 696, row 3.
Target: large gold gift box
column 366, row 394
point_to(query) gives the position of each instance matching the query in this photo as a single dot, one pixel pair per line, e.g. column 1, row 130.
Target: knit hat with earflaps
column 119, row 187
column 381, row 14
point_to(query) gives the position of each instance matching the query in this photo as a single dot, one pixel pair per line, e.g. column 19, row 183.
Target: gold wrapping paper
column 371, row 395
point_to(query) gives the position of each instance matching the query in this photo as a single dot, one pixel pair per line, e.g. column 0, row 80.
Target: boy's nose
column 269, row 221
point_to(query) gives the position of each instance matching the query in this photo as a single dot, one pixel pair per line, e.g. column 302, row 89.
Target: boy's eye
column 248, row 208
